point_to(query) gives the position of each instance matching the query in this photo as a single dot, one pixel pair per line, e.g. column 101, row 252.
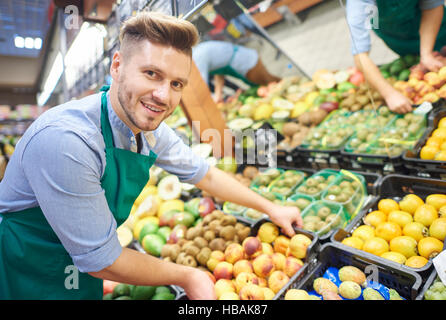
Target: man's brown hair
column 160, row 29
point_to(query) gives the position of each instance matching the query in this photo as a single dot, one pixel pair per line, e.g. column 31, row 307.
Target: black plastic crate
column 427, row 285
column 318, row 159
column 407, row 283
column 395, row 187
column 411, row 158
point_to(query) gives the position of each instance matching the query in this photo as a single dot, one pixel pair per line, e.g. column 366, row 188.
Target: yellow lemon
column 364, row 232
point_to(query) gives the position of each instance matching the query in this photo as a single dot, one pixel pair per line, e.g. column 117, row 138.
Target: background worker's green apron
column 399, row 26
column 33, row 262
column 229, row 71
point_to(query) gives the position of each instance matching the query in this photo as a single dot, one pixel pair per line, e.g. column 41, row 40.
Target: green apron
column 228, row 70
column 399, row 24
column 33, row 261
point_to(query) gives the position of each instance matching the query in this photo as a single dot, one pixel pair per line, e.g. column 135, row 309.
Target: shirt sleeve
column 64, row 173
column 430, row 4
column 358, row 11
column 176, row 157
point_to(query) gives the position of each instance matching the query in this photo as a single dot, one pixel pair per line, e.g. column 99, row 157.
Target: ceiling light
column 19, row 42
column 37, row 43
column 29, row 43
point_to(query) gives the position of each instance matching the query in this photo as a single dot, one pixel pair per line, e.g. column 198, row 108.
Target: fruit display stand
column 407, row 283
column 431, row 284
column 393, row 188
column 427, row 164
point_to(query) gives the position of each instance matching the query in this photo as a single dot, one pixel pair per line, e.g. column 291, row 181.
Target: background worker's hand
column 398, row 103
column 286, row 217
column 199, row 285
column 431, row 62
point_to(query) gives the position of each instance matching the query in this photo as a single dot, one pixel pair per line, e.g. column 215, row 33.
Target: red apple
column 329, row 106
column 178, row 232
column 206, row 206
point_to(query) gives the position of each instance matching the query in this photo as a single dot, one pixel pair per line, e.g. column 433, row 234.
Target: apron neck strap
column 105, row 123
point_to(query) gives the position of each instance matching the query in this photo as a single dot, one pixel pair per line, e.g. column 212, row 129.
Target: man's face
column 150, row 83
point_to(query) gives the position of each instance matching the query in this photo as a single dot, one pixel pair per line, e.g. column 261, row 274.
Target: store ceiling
column 24, row 18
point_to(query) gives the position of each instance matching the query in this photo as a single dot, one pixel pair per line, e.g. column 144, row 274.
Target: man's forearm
column 216, row 181
column 136, row 268
column 372, row 74
column 429, row 27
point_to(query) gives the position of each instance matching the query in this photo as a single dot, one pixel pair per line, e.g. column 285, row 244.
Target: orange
column 425, row 214
column 440, row 156
column 354, row 242
column 416, row 262
column 364, row 232
column 429, row 247
column 400, row 217
column 410, row 203
column 442, row 123
column 394, row 256
column 388, row 205
column 428, row 152
column 376, row 246
column 374, row 218
column 415, row 230
column 439, row 133
column 434, row 142
column 404, row 245
column 388, row 230
column 436, row 200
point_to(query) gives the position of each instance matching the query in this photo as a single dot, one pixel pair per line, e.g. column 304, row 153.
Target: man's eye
column 177, row 85
column 151, row 73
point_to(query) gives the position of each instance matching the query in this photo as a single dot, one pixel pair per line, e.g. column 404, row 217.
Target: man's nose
column 161, row 93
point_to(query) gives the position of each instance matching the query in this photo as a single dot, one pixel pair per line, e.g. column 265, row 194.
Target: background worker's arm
column 430, row 25
column 223, row 186
column 396, row 101
column 137, row 268
column 219, row 82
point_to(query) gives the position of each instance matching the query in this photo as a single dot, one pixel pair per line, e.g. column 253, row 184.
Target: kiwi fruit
column 207, row 220
column 343, row 197
column 311, row 182
column 237, row 239
column 203, row 256
column 192, row 233
column 217, row 244
column 200, row 242
column 181, row 242
column 323, row 213
column 228, row 232
column 174, row 252
column 243, row 233
column 310, row 226
column 167, row 259
column 313, row 219
column 192, row 250
column 333, row 220
column 213, row 225
column 239, row 226
column 217, row 214
column 180, row 257
column 228, row 220
column 321, row 225
column 189, row 261
column 165, row 250
column 209, row 235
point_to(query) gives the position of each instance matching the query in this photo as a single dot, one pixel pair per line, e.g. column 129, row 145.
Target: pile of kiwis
column 344, row 193
column 215, row 232
column 300, row 203
column 361, row 99
column 263, row 179
column 285, row 185
column 321, row 220
column 315, row 184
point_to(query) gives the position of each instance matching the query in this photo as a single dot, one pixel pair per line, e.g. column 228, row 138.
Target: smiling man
column 79, row 167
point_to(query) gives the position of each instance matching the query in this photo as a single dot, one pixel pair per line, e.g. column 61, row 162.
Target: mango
column 350, row 273
column 394, row 295
column 350, row 290
column 321, row 285
column 371, row 294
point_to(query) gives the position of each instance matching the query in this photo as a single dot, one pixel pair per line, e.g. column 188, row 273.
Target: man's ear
column 116, row 65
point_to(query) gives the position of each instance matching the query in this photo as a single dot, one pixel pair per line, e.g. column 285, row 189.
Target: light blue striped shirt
column 58, row 165
column 359, row 11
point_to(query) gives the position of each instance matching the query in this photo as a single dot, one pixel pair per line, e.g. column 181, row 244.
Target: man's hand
column 431, row 62
column 199, row 286
column 398, row 103
column 285, row 217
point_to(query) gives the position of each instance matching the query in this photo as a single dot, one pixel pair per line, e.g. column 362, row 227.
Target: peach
column 432, row 78
column 245, row 278
column 279, row 260
column 251, row 292
column 277, row 280
column 263, row 265
column 268, row 232
column 223, row 270
column 281, row 244
column 267, row 248
column 442, row 73
column 298, row 245
column 215, row 258
column 263, row 283
column 234, row 252
column 292, row 265
column 211, row 276
column 229, row 296
column 252, row 245
column 268, row 293
column 423, row 88
column 242, row 266
column 222, row 286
